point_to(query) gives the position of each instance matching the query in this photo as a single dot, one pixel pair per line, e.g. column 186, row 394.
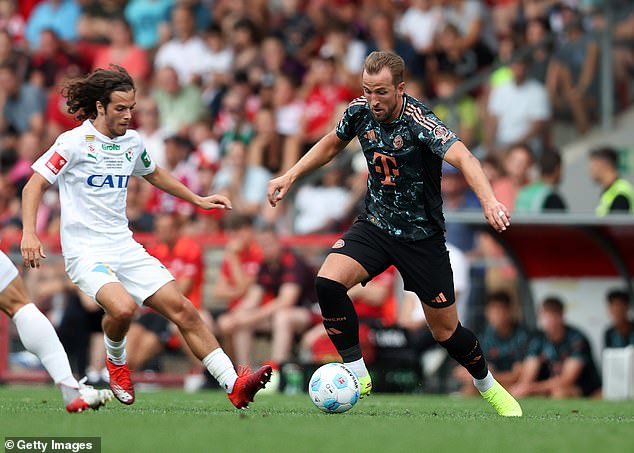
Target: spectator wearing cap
column 542, row 195
column 618, row 193
column 179, row 105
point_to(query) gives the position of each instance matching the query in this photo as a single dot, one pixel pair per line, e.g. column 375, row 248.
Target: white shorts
column 140, row 273
column 8, row 271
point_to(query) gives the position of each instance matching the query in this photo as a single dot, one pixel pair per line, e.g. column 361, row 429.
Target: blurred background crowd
column 232, row 92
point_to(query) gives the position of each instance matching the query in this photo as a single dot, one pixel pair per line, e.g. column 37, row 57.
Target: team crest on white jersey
column 92, row 152
column 129, row 154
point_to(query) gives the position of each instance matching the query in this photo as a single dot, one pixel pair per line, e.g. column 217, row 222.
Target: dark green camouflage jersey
column 404, row 159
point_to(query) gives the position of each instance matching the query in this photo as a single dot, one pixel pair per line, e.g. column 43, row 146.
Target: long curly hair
column 82, row 94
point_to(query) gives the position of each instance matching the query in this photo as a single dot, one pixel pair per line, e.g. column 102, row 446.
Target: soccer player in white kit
column 92, row 165
column 38, row 337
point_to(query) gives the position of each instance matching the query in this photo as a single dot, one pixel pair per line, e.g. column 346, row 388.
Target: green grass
column 170, row 420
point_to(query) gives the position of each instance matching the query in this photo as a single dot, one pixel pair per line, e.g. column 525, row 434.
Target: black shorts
column 423, row 264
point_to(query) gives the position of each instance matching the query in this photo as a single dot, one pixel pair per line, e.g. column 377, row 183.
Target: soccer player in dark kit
column 404, row 144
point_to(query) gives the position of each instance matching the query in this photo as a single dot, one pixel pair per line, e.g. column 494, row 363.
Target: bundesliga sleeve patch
column 56, row 162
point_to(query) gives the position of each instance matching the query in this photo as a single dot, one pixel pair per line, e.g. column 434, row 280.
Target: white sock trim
column 220, row 366
column 484, row 384
column 358, row 367
column 115, row 350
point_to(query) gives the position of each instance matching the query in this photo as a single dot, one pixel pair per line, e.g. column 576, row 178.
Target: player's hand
column 278, row 188
column 214, row 202
column 32, row 250
column 497, row 215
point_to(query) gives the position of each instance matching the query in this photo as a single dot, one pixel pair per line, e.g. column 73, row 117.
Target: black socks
column 465, row 348
column 340, row 318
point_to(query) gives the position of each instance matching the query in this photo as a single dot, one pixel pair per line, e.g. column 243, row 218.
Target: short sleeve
column 534, row 346
column 540, row 108
column 346, row 126
column 56, row 160
column 435, row 135
column 144, row 164
column 580, row 350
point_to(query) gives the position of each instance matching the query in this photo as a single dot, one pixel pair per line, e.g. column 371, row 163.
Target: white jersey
column 92, row 172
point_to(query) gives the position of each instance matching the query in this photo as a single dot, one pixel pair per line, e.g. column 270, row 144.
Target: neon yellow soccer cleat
column 365, row 384
column 502, row 401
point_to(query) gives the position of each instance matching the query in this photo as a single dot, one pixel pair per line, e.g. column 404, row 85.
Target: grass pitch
column 173, row 421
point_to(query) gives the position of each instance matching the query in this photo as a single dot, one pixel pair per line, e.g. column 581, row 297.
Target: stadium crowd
column 231, row 93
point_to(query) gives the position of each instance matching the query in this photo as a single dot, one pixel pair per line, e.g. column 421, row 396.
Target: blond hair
column 378, row 60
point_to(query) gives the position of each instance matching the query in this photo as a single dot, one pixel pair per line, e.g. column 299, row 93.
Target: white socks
column 115, row 350
column 220, row 367
column 39, row 337
column 358, row 367
column 484, row 384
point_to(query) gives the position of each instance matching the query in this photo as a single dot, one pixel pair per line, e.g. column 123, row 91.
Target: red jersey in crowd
column 290, row 268
column 250, row 260
column 185, row 260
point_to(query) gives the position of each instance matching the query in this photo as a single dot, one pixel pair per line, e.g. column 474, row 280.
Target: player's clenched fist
column 32, row 250
column 497, row 215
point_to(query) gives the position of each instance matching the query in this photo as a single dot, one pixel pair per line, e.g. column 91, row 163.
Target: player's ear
column 400, row 88
column 100, row 108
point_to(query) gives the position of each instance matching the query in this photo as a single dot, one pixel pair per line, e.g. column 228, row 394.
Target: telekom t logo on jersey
column 386, row 165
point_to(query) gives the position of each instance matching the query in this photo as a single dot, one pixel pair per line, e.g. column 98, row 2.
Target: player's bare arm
column 319, row 155
column 162, row 179
column 495, row 212
column 31, row 248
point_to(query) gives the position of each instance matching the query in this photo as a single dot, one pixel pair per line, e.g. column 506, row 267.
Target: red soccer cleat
column 248, row 384
column 120, row 382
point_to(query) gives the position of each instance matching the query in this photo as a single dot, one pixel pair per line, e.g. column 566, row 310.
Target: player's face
column 385, row 99
column 115, row 119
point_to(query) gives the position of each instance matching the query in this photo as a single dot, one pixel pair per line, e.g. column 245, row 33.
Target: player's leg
column 119, row 308
column 169, row 302
column 38, row 337
column 355, row 258
column 426, row 270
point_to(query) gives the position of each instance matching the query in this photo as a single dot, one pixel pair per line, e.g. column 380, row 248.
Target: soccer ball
column 334, row 388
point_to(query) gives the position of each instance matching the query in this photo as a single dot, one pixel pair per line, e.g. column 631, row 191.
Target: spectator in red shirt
column 279, row 303
column 151, row 333
column 323, row 94
column 240, row 264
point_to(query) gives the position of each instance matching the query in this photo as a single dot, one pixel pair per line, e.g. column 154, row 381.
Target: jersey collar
column 101, row 136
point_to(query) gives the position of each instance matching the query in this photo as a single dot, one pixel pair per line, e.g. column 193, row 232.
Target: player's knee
column 329, row 292
column 12, row 305
column 442, row 331
column 186, row 317
column 123, row 312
